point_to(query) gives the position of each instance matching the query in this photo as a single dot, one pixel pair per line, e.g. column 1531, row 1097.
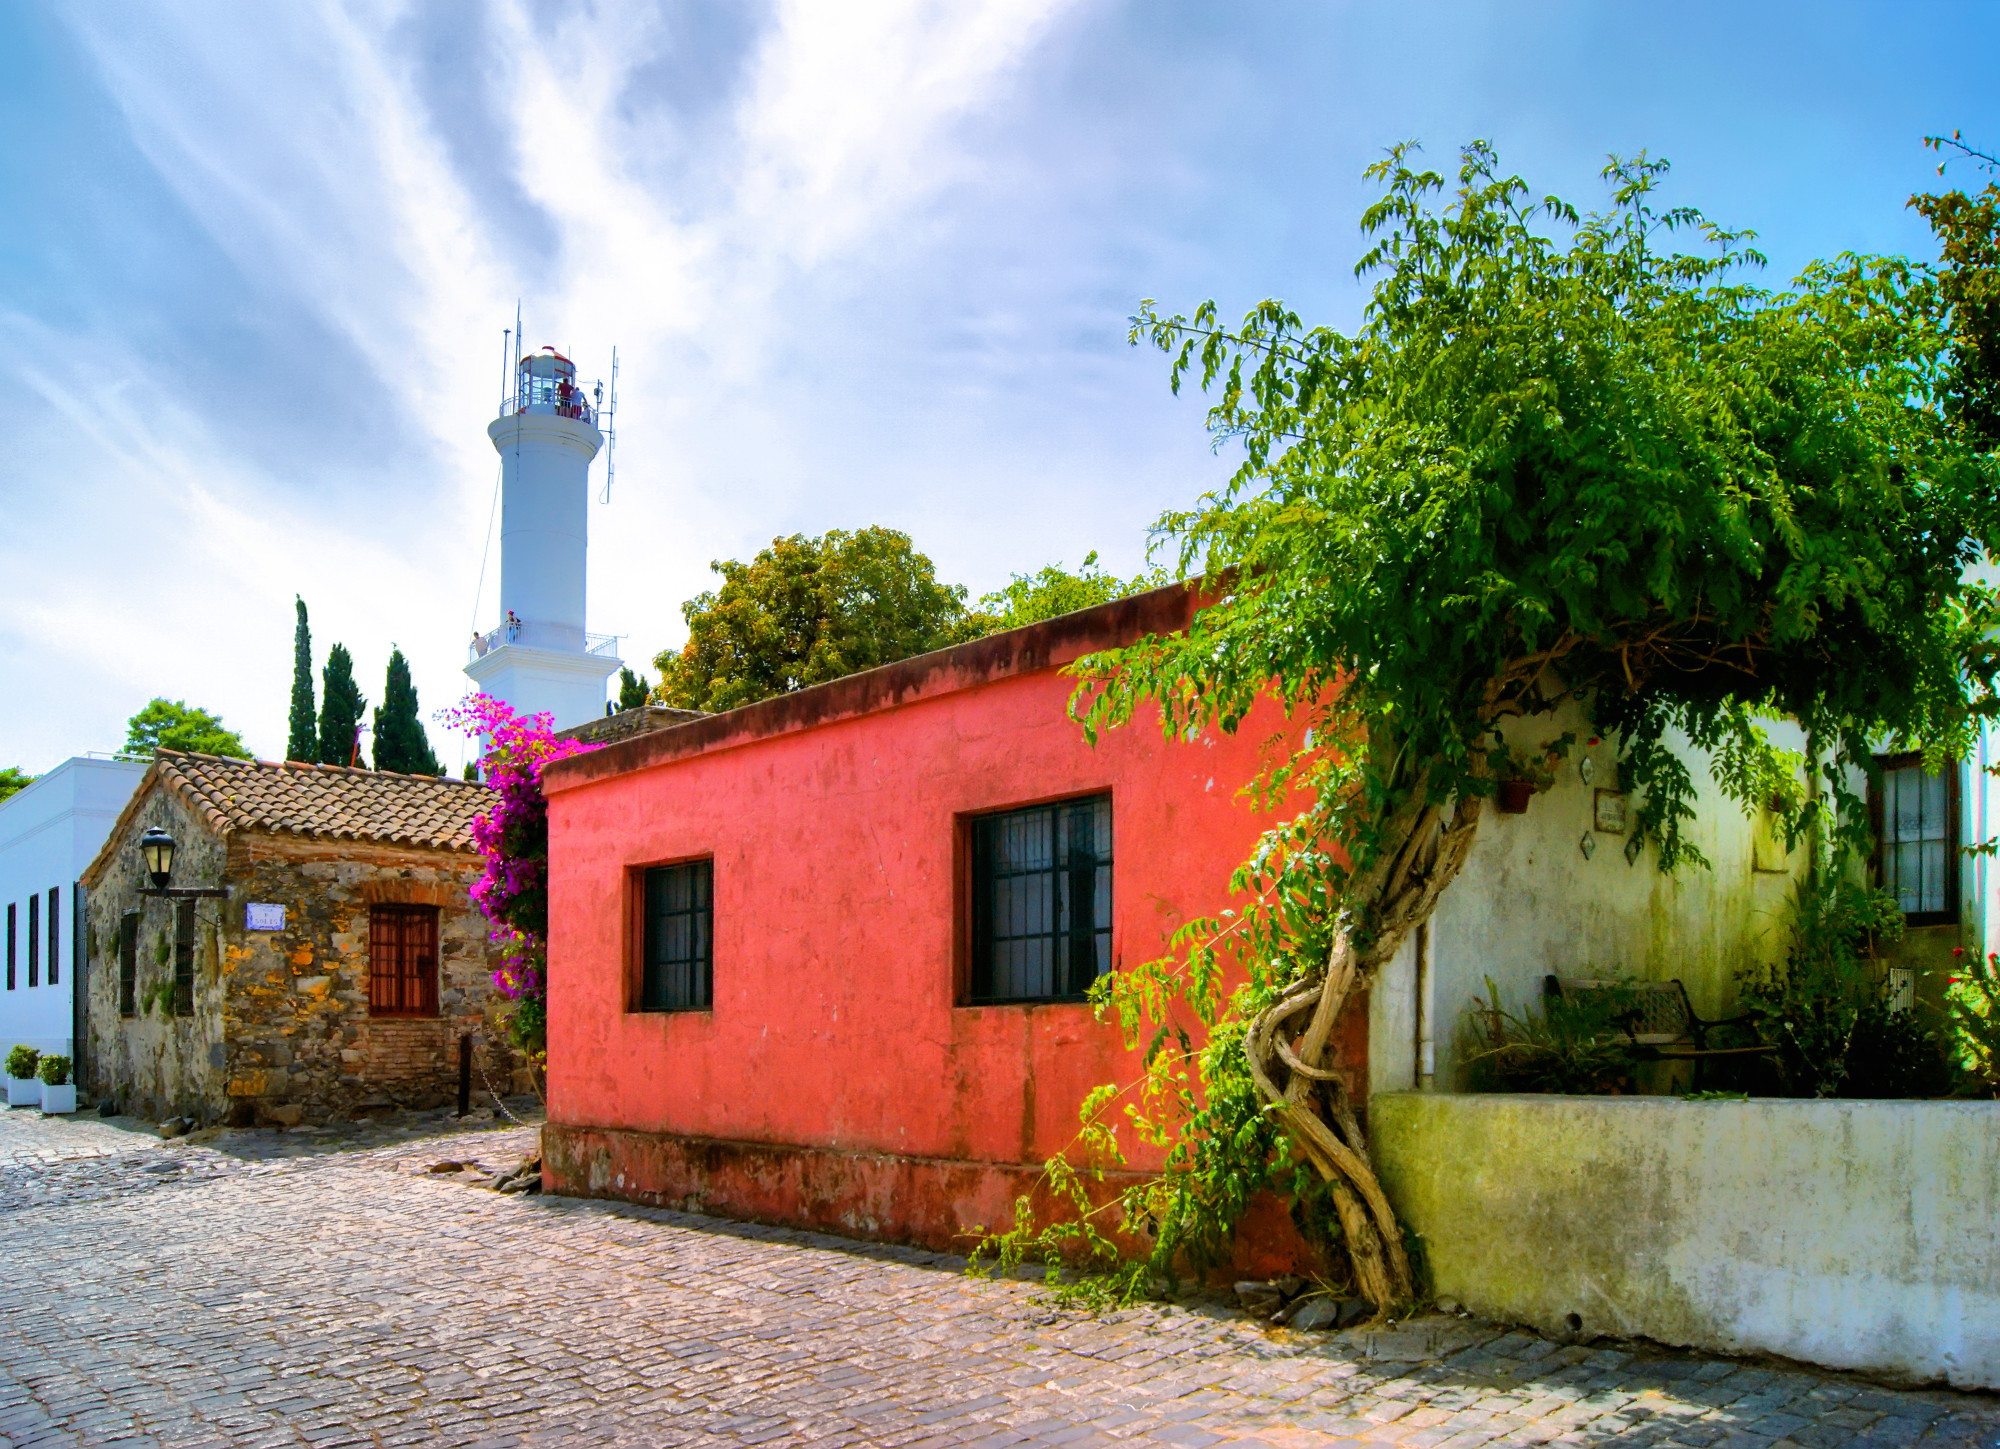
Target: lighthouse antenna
column 611, row 430
column 506, row 341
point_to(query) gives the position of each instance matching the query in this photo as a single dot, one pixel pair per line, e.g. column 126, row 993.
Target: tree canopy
column 401, row 744
column 633, row 691
column 12, row 781
column 172, row 724
column 1565, row 458
column 1054, row 591
column 1968, row 233
column 302, row 738
column 807, row 610
column 341, row 711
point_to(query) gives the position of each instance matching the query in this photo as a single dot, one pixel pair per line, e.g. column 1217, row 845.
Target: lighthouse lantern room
column 539, row 658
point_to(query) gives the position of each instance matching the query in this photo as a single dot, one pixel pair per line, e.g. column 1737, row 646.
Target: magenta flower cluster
column 513, row 835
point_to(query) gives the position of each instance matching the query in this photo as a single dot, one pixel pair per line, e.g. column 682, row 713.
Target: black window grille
column 679, row 967
column 10, row 945
column 1041, row 901
column 34, row 940
column 55, row 914
column 183, row 958
column 128, row 964
column 1916, row 832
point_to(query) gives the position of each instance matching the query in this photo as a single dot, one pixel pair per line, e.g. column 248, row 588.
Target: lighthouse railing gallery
column 605, row 645
column 557, row 396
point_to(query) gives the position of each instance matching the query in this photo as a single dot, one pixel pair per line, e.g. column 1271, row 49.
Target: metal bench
column 1659, row 1022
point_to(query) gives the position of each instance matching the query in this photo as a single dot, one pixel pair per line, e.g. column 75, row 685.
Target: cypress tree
column 400, row 742
column 304, row 742
column 341, row 709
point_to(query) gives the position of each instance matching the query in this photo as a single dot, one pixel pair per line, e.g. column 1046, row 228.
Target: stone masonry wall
column 154, row 1062
column 298, row 1028
column 280, row 1027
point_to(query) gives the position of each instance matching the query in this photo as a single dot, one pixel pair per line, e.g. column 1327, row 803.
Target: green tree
column 400, row 742
column 342, row 708
column 807, row 610
column 172, row 724
column 303, row 743
column 1968, row 233
column 12, row 781
column 1598, row 470
column 1054, row 591
column 633, row 690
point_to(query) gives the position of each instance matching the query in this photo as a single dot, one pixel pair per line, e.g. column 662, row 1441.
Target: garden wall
column 1853, row 1234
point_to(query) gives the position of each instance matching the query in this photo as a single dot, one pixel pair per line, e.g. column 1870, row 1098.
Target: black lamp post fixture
column 156, row 848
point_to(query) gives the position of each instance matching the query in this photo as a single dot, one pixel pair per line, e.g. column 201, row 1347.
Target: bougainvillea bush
column 513, row 837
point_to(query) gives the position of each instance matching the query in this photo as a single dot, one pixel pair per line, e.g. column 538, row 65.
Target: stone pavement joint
column 327, row 1289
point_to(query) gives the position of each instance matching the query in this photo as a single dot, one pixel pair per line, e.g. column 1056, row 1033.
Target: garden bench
column 1660, row 1023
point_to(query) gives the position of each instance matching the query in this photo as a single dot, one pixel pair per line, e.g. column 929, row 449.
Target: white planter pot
column 24, row 1091
column 58, row 1099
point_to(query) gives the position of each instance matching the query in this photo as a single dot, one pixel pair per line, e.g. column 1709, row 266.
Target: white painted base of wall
column 1857, row 1235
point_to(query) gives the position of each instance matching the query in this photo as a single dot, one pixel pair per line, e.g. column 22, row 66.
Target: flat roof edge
column 1013, row 652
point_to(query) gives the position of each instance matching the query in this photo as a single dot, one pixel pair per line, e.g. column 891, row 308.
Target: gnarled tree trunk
column 1422, row 849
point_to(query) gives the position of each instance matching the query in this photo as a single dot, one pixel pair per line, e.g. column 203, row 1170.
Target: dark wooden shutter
column 403, row 961
column 128, row 963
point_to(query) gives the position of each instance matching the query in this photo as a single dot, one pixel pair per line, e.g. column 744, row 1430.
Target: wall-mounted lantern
column 156, row 848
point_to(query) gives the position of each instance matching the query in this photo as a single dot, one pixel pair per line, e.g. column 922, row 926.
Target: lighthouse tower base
column 569, row 687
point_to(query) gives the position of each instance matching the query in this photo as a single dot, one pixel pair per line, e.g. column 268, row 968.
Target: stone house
column 336, row 976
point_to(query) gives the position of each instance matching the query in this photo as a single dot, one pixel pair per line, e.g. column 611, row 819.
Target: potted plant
column 58, row 1091
column 22, row 1088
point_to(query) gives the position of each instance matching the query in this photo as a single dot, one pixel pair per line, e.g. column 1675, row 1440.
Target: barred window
column 1041, row 901
column 1916, row 832
column 677, row 973
column 402, row 961
column 34, row 940
column 10, row 945
column 128, row 964
column 55, row 914
column 183, row 958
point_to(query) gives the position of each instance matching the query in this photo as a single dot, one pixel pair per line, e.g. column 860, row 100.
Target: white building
column 48, row 833
column 539, row 658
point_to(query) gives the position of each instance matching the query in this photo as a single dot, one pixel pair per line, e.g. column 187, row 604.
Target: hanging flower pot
column 1515, row 795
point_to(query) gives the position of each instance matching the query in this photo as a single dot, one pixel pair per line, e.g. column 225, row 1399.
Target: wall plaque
column 264, row 918
column 1609, row 815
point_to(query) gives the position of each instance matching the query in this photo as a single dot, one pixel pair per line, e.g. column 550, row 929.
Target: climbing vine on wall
column 513, row 836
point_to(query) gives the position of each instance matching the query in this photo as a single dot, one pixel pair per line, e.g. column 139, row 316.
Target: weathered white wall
column 1529, row 904
column 1858, row 1235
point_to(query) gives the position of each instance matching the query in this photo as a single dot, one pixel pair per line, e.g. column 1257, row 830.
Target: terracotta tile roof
column 328, row 802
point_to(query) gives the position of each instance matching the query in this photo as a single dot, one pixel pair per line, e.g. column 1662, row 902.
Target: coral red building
column 819, row 960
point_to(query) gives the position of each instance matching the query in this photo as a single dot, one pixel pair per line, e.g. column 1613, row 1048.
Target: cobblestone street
column 297, row 1289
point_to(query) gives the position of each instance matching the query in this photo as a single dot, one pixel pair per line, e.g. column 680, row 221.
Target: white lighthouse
column 539, row 659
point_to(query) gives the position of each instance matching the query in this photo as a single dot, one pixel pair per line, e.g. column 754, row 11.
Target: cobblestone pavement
column 324, row 1290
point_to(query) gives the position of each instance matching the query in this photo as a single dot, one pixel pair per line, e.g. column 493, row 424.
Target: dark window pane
column 1041, row 901
column 128, row 964
column 677, row 970
column 1919, row 838
column 403, row 961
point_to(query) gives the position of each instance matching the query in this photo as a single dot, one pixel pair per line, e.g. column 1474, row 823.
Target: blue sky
column 862, row 263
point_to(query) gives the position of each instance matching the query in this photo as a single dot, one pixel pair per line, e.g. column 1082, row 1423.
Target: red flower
column 1957, row 951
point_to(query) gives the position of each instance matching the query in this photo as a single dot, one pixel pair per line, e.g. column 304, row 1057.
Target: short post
column 464, row 1073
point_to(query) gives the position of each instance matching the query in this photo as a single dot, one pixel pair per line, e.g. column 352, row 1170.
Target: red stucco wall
column 837, row 842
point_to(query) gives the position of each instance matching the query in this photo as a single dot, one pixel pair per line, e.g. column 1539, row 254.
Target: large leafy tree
column 1054, row 591
column 1968, row 233
column 807, row 610
column 342, row 708
column 400, row 742
column 1564, row 457
column 12, row 781
column 172, row 724
column 302, row 742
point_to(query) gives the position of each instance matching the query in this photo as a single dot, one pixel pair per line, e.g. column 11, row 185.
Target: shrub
column 21, row 1062
column 53, row 1070
column 1574, row 1047
column 1897, row 1054
column 1810, row 1007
